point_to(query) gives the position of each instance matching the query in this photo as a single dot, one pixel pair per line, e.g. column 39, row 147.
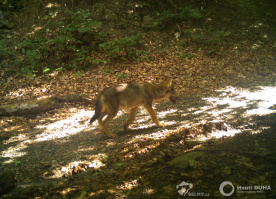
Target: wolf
column 130, row 97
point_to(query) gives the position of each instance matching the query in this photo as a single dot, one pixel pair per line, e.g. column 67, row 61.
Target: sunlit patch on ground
column 234, row 103
column 64, row 127
column 73, row 168
column 14, row 152
column 52, row 131
column 17, row 150
column 212, row 118
column 220, row 134
column 165, row 113
column 229, row 104
column 255, row 103
column 128, row 185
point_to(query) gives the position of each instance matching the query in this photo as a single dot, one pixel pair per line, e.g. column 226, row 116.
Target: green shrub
column 6, row 53
column 31, row 51
column 8, row 59
column 211, row 41
column 166, row 17
column 71, row 39
column 125, row 47
column 63, row 39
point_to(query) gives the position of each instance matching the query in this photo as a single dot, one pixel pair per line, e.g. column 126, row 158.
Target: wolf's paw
column 161, row 124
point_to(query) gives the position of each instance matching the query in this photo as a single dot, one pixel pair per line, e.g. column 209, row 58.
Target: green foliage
column 211, row 41
column 78, row 74
column 165, row 47
column 195, row 13
column 6, row 53
column 8, row 4
column 31, row 51
column 17, row 163
column 124, row 47
column 106, row 71
column 141, row 55
column 46, row 70
column 67, row 41
column 60, row 69
column 167, row 16
column 188, row 55
column 10, row 57
column 122, row 75
column 181, row 52
column 77, row 21
column 188, row 11
column 63, row 39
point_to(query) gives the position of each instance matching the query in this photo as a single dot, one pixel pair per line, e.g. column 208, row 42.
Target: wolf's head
column 166, row 91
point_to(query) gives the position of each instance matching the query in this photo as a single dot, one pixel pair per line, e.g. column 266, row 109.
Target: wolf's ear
column 168, row 82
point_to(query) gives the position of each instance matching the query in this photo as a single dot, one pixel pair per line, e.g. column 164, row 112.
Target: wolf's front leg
column 153, row 116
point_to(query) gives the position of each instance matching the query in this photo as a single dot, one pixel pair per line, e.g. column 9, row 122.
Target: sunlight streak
column 167, row 112
column 128, row 185
column 76, row 166
column 228, row 133
column 64, row 128
column 14, row 152
column 232, row 103
column 255, row 103
column 56, row 130
column 228, row 105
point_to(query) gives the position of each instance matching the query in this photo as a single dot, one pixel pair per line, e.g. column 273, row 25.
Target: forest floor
column 227, row 113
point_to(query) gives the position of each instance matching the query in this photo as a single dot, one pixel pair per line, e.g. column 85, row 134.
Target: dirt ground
column 60, row 155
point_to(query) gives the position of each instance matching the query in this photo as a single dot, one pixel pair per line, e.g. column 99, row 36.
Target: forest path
column 56, row 150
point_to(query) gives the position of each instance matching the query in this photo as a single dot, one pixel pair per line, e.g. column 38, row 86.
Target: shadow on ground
column 69, row 158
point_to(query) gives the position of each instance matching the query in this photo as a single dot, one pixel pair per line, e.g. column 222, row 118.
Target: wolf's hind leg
column 131, row 118
column 105, row 123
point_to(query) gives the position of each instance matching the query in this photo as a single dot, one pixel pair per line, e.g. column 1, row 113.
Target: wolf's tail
column 98, row 110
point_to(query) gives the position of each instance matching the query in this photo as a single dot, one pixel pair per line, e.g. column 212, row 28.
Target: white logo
column 224, row 184
column 184, row 187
